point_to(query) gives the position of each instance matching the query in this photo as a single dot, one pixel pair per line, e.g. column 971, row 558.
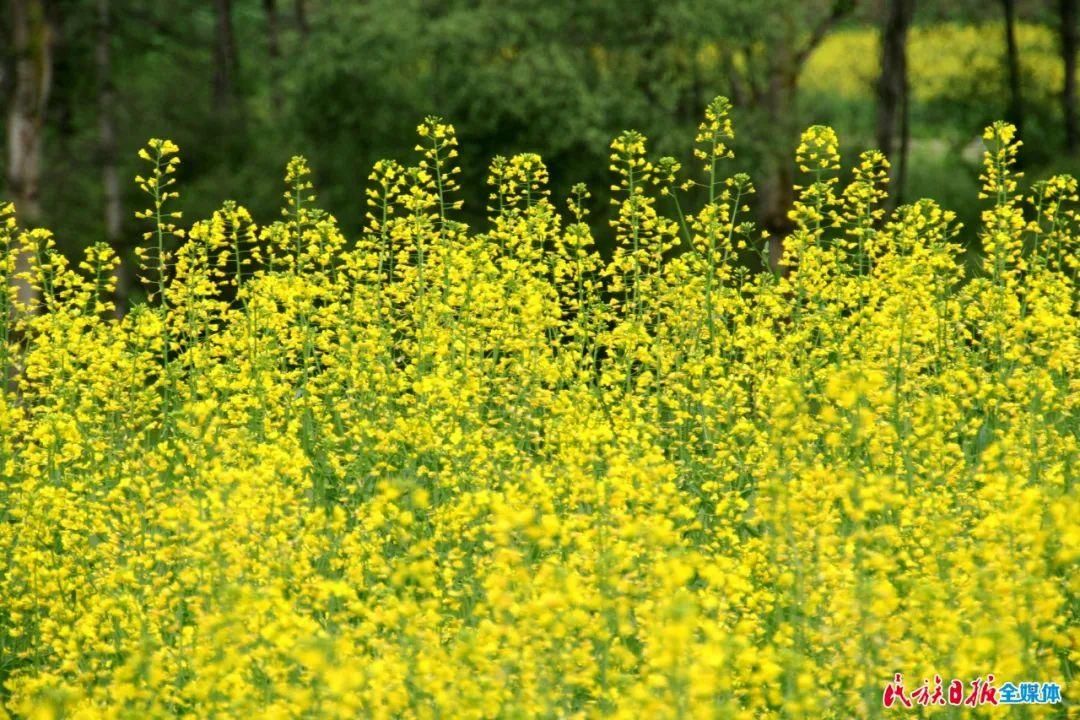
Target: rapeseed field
column 443, row 471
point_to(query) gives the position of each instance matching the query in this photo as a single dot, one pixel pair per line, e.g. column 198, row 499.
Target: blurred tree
column 32, row 43
column 892, row 130
column 273, row 52
column 110, row 176
column 7, row 58
column 773, row 40
column 1067, row 18
column 226, row 62
column 300, row 11
column 1015, row 110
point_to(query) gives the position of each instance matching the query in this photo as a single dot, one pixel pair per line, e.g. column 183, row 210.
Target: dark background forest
column 241, row 85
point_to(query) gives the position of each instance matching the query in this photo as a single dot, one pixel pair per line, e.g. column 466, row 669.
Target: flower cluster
column 442, row 471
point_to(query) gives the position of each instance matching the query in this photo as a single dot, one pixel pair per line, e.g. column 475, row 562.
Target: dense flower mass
column 948, row 61
column 473, row 473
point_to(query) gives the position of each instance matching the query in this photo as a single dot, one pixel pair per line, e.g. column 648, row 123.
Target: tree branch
column 840, row 8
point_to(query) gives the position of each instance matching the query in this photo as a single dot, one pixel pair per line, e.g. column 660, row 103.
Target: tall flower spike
column 576, row 202
column 1002, row 146
column 1002, row 236
column 628, row 161
column 7, row 255
column 667, row 168
column 299, row 189
column 8, row 291
column 643, row 236
column 818, row 150
column 713, row 139
column 497, row 180
column 388, row 181
column 862, row 205
column 100, row 263
column 237, row 248
column 299, row 194
column 163, row 156
column 439, row 147
column 1055, row 225
column 532, row 174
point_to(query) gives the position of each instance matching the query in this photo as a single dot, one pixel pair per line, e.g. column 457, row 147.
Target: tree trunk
column 226, row 64
column 302, row 24
column 891, row 130
column 110, row 176
column 7, row 58
column 32, row 41
column 273, row 50
column 1015, row 111
column 1069, row 42
column 777, row 186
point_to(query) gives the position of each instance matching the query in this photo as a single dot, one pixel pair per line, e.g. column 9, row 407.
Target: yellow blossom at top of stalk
column 818, row 150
